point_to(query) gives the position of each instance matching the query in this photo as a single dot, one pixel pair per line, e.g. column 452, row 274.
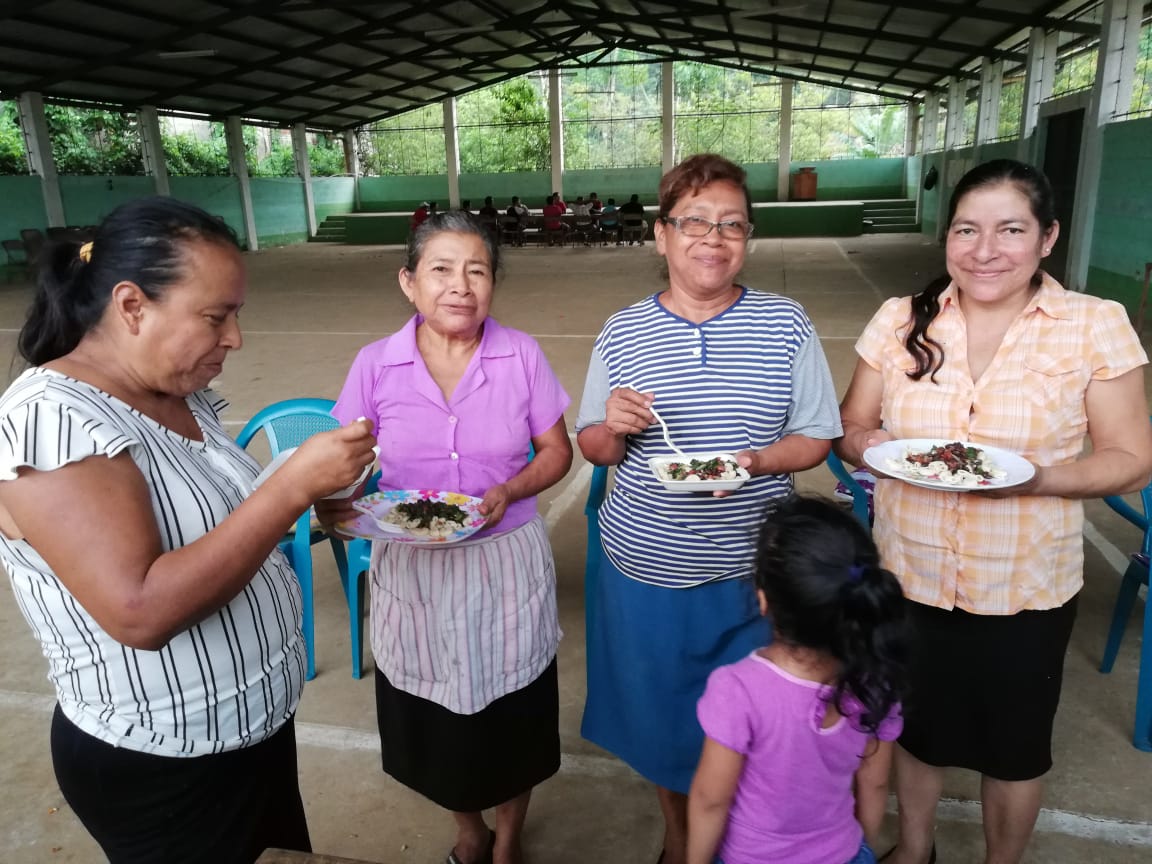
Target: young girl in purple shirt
column 796, row 758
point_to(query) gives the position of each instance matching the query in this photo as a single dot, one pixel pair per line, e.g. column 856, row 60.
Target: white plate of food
column 426, row 517
column 953, row 466
column 700, row 472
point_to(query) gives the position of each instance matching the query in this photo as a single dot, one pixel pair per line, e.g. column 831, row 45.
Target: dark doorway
column 1061, row 159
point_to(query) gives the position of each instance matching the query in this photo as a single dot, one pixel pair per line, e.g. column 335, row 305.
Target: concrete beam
column 304, row 170
column 152, row 148
column 234, row 135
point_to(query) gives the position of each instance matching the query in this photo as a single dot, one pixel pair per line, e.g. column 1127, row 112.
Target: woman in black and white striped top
column 141, row 556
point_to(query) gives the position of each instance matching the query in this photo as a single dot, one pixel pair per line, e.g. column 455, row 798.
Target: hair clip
column 85, row 253
column 856, row 572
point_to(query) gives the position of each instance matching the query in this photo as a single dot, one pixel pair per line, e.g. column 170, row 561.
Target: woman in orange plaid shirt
column 994, row 353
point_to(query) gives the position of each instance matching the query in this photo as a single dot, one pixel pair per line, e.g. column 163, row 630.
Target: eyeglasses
column 697, row 226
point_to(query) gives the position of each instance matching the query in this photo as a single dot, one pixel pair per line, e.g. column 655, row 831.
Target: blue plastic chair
column 287, row 424
column 352, row 576
column 860, row 507
column 1135, row 576
column 597, row 489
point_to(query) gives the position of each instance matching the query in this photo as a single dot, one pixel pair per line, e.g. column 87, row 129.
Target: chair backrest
column 859, row 494
column 289, row 423
column 14, row 249
column 33, row 242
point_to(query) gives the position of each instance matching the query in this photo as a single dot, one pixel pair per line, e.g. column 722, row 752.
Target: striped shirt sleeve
column 45, row 435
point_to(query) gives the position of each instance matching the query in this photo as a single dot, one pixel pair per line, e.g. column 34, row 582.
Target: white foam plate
column 1017, row 469
column 689, row 486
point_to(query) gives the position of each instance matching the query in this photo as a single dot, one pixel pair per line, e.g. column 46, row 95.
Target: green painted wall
column 808, row 219
column 912, row 176
column 372, row 229
column 532, row 187
column 23, row 206
column 87, row 200
column 333, row 195
column 999, row 150
column 839, row 179
column 401, row 194
column 762, row 180
column 278, row 204
column 218, row 195
column 618, row 183
column 846, row 179
column 1122, row 234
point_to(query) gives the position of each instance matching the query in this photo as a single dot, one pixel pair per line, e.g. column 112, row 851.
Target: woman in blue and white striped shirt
column 729, row 369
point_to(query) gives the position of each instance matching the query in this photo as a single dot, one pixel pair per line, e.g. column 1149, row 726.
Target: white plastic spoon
column 664, row 428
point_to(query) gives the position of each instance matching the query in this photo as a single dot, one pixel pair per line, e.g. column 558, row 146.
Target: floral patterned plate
column 373, row 508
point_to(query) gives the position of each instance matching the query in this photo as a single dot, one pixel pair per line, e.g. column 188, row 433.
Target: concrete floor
column 310, row 308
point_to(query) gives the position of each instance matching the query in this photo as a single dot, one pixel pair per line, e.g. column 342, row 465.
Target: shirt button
column 695, row 352
column 454, row 455
column 451, row 419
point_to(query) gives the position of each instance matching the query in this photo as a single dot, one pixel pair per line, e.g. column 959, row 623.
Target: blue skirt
column 650, row 651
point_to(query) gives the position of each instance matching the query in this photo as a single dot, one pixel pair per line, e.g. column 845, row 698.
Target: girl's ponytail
column 826, row 591
column 869, row 641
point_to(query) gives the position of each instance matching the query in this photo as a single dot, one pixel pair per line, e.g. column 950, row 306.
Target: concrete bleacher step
column 890, row 216
column 332, row 230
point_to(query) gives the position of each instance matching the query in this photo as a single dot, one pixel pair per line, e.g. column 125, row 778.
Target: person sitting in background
column 609, row 221
column 632, row 214
column 580, row 208
column 517, row 209
column 488, row 210
column 594, row 203
column 142, row 555
column 419, row 215
column 554, row 226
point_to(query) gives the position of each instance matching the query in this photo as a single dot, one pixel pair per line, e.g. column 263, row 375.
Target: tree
column 12, row 159
column 94, row 141
column 411, row 143
column 504, row 128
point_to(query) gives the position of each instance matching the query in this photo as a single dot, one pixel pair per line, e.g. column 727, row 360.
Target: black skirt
column 471, row 762
column 983, row 689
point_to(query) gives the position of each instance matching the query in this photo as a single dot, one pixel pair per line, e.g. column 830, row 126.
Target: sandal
column 486, row 858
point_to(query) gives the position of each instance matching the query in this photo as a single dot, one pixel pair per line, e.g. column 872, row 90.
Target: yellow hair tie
column 86, row 252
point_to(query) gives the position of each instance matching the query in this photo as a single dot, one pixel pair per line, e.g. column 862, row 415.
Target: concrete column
column 1039, row 73
column 784, row 160
column 911, row 131
column 954, row 119
column 234, row 135
column 556, row 130
column 988, row 110
column 667, row 116
column 452, row 151
column 38, row 148
column 931, row 124
column 352, row 164
column 304, row 170
column 1111, row 92
column 152, row 145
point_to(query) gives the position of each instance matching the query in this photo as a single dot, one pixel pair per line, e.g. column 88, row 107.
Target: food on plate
column 425, row 517
column 716, row 468
column 955, row 464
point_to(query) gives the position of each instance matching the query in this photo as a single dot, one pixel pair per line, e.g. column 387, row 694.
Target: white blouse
column 230, row 681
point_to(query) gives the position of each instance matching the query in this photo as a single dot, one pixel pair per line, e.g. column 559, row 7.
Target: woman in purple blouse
column 464, row 635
